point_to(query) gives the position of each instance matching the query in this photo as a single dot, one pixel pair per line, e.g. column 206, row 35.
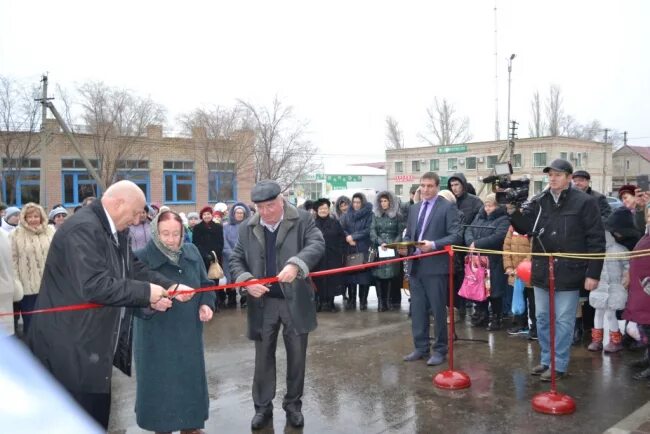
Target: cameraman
column 561, row 219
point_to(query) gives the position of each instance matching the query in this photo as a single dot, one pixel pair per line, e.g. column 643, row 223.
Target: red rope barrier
column 261, row 281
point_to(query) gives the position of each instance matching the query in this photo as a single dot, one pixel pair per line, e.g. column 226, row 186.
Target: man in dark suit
column 433, row 221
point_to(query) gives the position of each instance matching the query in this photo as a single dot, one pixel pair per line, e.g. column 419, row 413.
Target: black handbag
column 354, row 259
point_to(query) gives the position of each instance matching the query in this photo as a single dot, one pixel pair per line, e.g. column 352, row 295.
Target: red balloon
column 524, row 271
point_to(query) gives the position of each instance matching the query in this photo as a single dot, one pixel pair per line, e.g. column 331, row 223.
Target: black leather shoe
column 295, row 419
column 260, row 420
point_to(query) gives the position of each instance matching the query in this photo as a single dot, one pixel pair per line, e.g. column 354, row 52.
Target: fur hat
column 193, row 215
column 627, row 188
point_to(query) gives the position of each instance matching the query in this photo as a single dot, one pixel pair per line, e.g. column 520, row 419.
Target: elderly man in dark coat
column 90, row 261
column 281, row 241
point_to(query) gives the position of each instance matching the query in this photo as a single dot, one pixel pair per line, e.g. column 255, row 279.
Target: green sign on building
column 340, row 182
column 452, row 149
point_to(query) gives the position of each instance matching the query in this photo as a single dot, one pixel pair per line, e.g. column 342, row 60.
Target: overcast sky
column 346, row 65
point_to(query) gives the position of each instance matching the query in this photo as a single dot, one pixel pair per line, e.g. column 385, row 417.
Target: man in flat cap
column 585, row 316
column 561, row 219
column 581, row 180
column 279, row 240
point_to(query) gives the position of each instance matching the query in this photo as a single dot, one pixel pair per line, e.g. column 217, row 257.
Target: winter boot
column 232, row 298
column 319, row 303
column 615, row 343
column 363, row 297
column 495, row 323
column 352, row 297
column 480, row 320
column 381, row 297
column 596, row 340
column 641, row 363
column 242, row 301
column 330, row 305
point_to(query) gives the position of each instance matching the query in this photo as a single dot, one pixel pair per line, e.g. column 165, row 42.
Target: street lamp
column 510, row 144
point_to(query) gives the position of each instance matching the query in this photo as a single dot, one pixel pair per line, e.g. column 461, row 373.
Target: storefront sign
column 404, row 178
column 452, row 149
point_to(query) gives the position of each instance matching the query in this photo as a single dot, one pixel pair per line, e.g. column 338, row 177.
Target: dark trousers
column 529, row 314
column 276, row 313
column 429, row 295
column 25, row 305
column 97, row 405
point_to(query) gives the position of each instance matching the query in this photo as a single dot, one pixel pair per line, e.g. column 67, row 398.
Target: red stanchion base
column 553, row 403
column 452, row 380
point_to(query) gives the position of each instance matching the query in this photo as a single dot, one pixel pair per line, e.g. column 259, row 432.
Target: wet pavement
column 356, row 382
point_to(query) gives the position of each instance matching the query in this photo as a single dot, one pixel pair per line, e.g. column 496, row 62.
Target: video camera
column 506, row 189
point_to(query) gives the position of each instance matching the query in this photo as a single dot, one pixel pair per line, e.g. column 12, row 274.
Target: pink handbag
column 476, row 282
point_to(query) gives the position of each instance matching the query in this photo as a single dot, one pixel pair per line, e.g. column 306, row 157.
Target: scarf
column 173, row 255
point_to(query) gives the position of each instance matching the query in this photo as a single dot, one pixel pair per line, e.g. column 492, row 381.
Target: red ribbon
column 262, row 281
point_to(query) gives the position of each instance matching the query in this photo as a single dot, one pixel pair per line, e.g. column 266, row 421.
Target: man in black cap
column 279, row 240
column 561, row 219
column 581, row 180
column 585, row 314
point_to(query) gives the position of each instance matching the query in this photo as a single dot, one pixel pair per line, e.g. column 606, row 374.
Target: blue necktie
column 423, row 214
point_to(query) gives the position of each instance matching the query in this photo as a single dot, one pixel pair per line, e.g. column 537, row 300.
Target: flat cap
column 265, row 190
column 581, row 174
column 560, row 165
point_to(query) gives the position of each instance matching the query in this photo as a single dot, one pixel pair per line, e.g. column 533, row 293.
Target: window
column 132, row 164
column 415, row 166
column 178, row 187
column 21, row 187
column 452, row 164
column 538, row 186
column 399, row 189
column 222, row 186
column 25, row 163
column 470, row 163
column 140, row 178
column 434, row 165
column 539, row 159
column 77, row 185
column 311, row 190
column 70, row 163
column 399, row 167
column 516, row 160
column 491, row 161
column 178, row 165
column 563, row 155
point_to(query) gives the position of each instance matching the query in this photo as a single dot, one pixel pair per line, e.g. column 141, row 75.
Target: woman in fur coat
column 30, row 243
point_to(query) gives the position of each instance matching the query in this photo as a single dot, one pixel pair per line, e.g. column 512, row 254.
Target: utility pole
column 510, row 148
column 603, row 187
column 47, row 104
column 497, row 134
column 45, row 139
column 626, row 162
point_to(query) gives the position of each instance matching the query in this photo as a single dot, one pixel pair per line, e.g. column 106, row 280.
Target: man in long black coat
column 90, row 261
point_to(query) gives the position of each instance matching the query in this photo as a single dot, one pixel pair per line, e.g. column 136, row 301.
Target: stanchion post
column 451, row 379
column 552, row 402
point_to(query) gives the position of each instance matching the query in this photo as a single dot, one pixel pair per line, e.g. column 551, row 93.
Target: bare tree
column 224, row 135
column 393, row 134
column 282, row 152
column 20, row 140
column 444, row 127
column 116, row 119
column 554, row 111
column 537, row 126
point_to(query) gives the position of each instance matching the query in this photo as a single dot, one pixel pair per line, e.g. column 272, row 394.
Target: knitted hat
column 193, row 215
column 11, row 211
column 56, row 211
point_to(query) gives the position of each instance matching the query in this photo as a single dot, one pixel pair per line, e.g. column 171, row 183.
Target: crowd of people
column 141, row 259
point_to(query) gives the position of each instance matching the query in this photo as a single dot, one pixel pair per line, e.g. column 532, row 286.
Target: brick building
column 183, row 173
column 476, row 160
